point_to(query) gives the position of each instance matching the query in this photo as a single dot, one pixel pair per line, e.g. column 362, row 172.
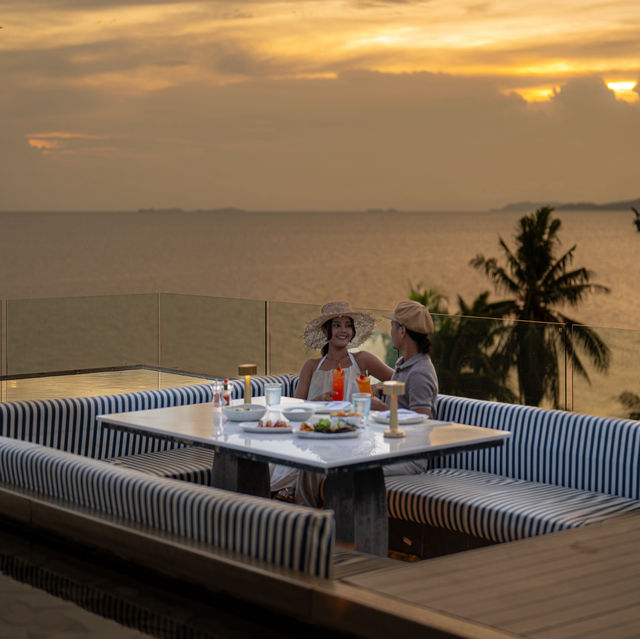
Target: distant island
column 624, row 205
column 224, row 209
column 152, row 210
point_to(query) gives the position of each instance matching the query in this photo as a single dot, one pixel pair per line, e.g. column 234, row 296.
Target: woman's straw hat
column 314, row 337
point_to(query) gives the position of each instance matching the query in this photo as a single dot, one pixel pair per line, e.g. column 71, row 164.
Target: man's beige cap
column 413, row 316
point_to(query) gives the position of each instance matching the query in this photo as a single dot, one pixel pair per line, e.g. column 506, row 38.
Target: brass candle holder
column 393, row 389
column 247, row 370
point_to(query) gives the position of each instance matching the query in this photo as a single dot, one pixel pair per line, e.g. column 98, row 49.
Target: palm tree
column 631, row 402
column 466, row 352
column 540, row 283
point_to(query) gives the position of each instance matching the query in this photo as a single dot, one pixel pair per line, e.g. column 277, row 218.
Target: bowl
column 298, row 413
column 244, row 412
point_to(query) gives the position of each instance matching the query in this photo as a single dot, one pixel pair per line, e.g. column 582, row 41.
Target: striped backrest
column 599, row 454
column 282, row 534
column 70, row 423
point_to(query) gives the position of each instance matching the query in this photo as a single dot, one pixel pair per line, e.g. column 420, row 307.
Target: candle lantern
column 393, row 389
column 247, row 370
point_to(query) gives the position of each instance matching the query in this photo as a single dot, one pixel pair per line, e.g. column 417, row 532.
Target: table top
column 194, row 424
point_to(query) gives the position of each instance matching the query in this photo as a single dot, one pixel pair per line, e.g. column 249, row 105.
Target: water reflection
column 92, row 598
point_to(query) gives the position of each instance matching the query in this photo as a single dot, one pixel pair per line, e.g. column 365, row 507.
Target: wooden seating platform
column 578, row 583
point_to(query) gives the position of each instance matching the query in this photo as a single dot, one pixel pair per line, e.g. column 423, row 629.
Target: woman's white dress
column 283, row 477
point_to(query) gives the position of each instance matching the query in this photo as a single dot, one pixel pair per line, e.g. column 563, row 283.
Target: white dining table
column 353, row 466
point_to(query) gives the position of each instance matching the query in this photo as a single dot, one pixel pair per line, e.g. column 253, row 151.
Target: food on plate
column 325, row 425
column 341, row 413
column 276, row 423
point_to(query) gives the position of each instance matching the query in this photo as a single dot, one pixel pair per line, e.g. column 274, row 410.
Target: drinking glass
column 217, row 388
column 362, row 404
column 337, row 391
column 272, row 394
column 217, row 403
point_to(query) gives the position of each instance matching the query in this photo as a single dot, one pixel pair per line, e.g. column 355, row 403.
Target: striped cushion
column 496, row 508
column 191, row 463
column 596, row 454
column 282, row 534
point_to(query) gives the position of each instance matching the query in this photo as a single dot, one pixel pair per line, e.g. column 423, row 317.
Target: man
column 411, row 325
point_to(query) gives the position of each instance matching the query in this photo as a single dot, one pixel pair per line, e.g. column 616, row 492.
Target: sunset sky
column 298, row 105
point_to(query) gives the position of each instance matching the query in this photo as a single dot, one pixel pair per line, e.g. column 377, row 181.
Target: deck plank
column 581, row 582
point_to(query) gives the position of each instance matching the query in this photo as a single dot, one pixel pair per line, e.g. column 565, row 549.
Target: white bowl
column 244, row 412
column 298, row 413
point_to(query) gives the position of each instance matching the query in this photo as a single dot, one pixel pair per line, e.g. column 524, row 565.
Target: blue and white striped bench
column 281, row 534
column 559, row 470
column 70, row 424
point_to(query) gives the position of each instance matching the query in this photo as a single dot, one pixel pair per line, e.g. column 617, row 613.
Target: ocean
column 308, row 257
column 368, row 258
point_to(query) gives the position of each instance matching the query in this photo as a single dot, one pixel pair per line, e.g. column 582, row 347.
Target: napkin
column 331, row 406
column 404, row 415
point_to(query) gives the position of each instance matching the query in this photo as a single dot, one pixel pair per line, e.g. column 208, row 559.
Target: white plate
column 252, row 427
column 329, row 407
column 404, row 416
column 312, row 434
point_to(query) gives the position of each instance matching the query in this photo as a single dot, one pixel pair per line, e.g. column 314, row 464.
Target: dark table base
column 357, row 497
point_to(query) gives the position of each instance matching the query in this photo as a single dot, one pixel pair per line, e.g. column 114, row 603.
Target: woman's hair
column 422, row 341
column 326, row 327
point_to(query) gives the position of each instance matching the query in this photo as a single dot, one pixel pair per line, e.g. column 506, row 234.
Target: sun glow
column 534, row 94
column 624, row 90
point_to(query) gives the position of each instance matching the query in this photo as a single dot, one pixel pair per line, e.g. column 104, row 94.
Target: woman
column 335, row 330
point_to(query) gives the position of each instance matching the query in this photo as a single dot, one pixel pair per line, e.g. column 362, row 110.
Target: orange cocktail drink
column 337, row 392
column 364, row 383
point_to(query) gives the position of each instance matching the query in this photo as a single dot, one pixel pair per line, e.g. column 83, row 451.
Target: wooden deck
column 581, row 583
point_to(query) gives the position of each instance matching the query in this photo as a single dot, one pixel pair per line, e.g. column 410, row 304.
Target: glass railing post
column 3, row 349
column 267, row 337
column 3, row 337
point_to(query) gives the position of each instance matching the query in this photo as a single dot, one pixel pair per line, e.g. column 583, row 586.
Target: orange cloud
column 45, row 145
column 60, row 141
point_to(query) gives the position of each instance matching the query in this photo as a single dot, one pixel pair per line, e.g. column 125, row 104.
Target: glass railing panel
column 602, row 396
column 468, row 355
column 477, row 357
column 473, row 356
column 287, row 352
column 81, row 333
column 211, row 335
column 111, row 382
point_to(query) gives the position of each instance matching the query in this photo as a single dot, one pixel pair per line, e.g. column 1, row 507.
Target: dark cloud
column 81, row 60
column 49, row 5
column 419, row 140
